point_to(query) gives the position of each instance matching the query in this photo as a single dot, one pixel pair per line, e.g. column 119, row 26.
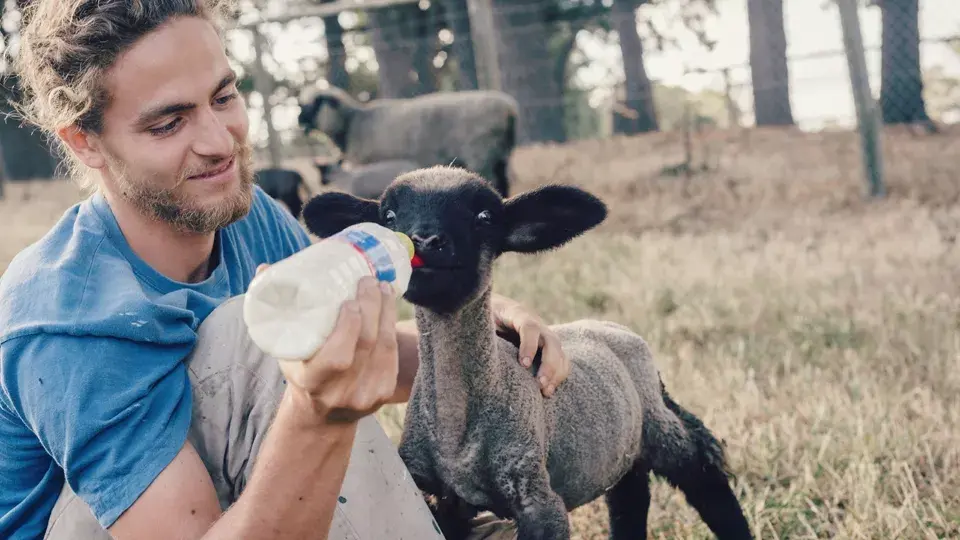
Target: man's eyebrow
column 155, row 113
column 227, row 80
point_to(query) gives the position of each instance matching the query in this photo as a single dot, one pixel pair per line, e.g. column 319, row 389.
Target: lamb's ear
column 331, row 212
column 548, row 217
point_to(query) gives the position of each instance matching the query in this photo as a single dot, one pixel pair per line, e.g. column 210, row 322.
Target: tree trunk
column 458, row 20
column 639, row 90
column 403, row 42
column 336, row 53
column 901, row 83
column 768, row 63
column 524, row 58
column 26, row 154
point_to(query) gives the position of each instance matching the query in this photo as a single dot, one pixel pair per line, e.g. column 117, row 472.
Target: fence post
column 261, row 82
column 868, row 118
column 484, row 43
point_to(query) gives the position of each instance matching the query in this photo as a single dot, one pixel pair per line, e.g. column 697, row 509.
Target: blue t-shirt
column 93, row 389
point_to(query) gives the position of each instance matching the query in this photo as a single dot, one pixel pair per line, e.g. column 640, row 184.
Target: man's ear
column 84, row 145
column 329, row 213
column 548, row 217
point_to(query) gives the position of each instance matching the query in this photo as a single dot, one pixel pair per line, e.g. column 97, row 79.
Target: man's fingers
column 369, row 297
column 388, row 318
column 529, row 342
column 554, row 367
column 387, row 360
column 338, row 351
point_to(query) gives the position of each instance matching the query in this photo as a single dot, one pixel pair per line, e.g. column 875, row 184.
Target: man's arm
column 293, row 489
column 534, row 333
column 291, row 494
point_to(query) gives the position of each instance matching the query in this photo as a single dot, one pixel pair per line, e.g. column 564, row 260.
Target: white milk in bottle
column 292, row 306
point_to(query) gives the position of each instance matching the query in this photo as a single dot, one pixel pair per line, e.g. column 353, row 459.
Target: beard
column 174, row 206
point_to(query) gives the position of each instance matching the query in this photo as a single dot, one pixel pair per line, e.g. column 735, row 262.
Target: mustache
column 241, row 153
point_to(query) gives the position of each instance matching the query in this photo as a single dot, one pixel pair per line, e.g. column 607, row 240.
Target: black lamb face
column 455, row 220
column 459, row 225
column 324, row 111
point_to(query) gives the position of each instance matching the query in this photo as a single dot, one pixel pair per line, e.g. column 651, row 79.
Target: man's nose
column 213, row 138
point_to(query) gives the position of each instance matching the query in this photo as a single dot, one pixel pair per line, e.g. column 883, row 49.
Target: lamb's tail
column 709, row 449
column 692, row 459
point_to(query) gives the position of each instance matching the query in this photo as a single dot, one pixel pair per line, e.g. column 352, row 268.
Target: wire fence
column 591, row 70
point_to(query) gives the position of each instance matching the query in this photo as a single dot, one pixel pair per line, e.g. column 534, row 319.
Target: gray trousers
column 236, row 389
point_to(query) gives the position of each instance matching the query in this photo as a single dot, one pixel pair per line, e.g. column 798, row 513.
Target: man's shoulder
column 46, row 285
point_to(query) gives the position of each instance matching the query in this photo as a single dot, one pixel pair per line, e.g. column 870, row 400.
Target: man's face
column 174, row 140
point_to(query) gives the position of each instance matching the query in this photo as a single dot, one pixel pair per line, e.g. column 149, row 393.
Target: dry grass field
column 814, row 331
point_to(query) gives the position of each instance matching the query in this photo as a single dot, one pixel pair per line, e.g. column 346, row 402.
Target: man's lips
column 221, row 169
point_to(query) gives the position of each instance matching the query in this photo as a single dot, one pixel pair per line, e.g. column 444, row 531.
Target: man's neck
column 177, row 255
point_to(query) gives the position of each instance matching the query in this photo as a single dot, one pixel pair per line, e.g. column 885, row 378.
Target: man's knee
column 236, row 389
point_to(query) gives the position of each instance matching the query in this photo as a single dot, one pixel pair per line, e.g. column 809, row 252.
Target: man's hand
column 534, row 333
column 354, row 373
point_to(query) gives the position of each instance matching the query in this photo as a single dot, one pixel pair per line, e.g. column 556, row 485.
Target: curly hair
column 67, row 46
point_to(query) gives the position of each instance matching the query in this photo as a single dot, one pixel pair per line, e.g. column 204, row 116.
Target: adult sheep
column 366, row 181
column 478, row 433
column 282, row 185
column 473, row 129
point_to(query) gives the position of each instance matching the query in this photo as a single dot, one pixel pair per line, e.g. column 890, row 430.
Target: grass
column 815, row 332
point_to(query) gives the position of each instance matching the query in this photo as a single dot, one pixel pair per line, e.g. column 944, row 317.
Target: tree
column 768, row 63
column 336, row 52
column 404, row 41
column 639, row 91
column 901, row 81
column 456, row 16
column 24, row 152
column 522, row 37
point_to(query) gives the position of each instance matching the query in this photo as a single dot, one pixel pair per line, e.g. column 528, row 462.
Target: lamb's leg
column 539, row 512
column 453, row 516
column 628, row 503
column 694, row 463
column 412, row 450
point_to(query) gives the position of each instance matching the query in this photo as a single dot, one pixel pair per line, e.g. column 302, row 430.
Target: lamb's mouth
column 435, row 269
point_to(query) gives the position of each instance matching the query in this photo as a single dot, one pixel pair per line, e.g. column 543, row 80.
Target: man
column 131, row 400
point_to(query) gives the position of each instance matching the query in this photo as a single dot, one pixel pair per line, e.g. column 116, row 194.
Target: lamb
column 474, row 129
column 283, row 185
column 365, row 181
column 478, row 433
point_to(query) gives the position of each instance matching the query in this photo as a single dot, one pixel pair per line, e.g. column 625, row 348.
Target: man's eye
column 223, row 100
column 166, row 128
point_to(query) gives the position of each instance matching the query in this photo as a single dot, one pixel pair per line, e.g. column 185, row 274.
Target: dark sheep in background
column 478, row 433
column 283, row 185
column 366, row 181
column 474, row 129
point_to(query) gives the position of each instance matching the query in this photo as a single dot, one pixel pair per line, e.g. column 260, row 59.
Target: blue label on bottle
column 373, row 250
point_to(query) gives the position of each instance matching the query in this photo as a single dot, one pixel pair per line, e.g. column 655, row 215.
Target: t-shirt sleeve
column 111, row 412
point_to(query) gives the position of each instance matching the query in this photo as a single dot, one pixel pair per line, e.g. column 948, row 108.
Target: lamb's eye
column 484, row 217
column 390, row 217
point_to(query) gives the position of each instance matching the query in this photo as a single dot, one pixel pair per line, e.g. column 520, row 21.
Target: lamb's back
column 434, row 129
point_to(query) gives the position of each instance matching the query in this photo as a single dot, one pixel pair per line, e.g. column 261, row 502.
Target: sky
column 819, row 87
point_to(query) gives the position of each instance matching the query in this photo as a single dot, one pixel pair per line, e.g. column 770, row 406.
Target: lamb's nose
column 433, row 242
